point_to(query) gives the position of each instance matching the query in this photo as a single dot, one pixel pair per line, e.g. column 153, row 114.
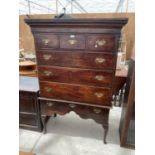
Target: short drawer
column 50, row 107
column 71, row 41
column 79, row 93
column 76, row 75
column 28, row 119
column 77, row 59
column 101, row 42
column 43, row 41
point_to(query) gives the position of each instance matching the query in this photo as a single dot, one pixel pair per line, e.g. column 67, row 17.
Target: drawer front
column 77, row 59
column 72, row 41
column 50, row 107
column 76, row 76
column 92, row 95
column 28, row 119
column 101, row 42
column 27, row 102
column 43, row 41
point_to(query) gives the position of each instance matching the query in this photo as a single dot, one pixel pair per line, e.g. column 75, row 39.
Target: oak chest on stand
column 76, row 60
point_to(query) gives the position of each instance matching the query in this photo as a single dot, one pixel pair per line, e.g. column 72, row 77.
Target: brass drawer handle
column 47, row 73
column 72, row 36
column 100, row 60
column 99, row 95
column 50, row 104
column 46, row 56
column 72, row 105
column 48, row 89
column 72, row 42
column 45, row 41
column 97, row 111
column 100, row 42
column 99, row 77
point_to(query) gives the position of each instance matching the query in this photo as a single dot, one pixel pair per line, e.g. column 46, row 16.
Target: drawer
column 77, row 93
column 28, row 119
column 77, row 59
column 71, row 41
column 27, row 102
column 50, row 107
column 46, row 41
column 76, row 75
column 101, row 42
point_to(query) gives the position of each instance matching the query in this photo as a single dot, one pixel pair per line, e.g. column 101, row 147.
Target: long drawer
column 77, row 59
column 100, row 42
column 76, row 75
column 49, row 107
column 79, row 93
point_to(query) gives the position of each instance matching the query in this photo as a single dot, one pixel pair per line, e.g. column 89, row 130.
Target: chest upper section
column 100, row 35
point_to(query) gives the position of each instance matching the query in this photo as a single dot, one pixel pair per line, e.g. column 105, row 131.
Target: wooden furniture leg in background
column 44, row 122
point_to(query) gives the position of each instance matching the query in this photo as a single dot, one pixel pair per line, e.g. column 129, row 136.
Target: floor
column 71, row 135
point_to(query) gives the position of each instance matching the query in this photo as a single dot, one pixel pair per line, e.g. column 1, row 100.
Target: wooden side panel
column 28, row 119
column 27, row 102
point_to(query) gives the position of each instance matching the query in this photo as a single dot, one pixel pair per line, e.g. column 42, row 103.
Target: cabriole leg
column 106, row 127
